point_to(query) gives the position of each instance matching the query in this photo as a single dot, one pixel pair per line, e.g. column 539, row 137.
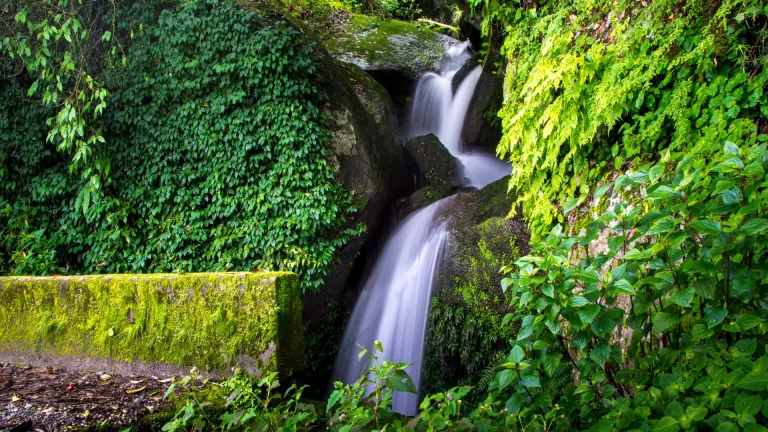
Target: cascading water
column 436, row 109
column 394, row 302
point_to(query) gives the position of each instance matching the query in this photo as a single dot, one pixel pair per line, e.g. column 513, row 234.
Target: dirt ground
column 48, row 399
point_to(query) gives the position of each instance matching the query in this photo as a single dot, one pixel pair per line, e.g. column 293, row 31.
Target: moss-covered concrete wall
column 209, row 320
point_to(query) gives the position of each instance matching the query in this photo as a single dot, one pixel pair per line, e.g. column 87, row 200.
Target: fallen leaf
column 134, row 391
column 105, row 377
column 15, row 398
column 139, row 381
column 70, row 387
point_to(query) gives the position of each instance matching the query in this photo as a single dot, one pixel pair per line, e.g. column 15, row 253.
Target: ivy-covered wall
column 216, row 156
column 209, row 320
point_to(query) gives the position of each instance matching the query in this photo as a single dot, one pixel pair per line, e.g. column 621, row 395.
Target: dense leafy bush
column 663, row 321
column 217, row 151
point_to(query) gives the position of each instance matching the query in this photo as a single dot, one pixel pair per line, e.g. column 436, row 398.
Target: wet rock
column 378, row 45
column 436, row 163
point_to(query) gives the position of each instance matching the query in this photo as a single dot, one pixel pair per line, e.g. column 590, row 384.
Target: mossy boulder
column 376, row 44
column 438, row 166
column 212, row 321
column 465, row 335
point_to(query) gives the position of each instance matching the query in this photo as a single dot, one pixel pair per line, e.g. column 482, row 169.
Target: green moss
column 208, row 320
column 375, row 43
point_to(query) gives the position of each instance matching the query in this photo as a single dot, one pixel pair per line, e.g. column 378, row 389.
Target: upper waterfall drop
column 437, row 109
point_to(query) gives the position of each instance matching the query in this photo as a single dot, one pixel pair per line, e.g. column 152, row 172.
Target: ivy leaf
column 600, row 354
column 664, row 321
column 714, row 316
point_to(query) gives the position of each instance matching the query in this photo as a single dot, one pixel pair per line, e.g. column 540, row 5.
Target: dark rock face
column 436, row 163
column 367, row 156
column 440, row 10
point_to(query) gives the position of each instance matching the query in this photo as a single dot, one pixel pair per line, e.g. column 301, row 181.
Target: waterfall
column 436, row 109
column 394, row 301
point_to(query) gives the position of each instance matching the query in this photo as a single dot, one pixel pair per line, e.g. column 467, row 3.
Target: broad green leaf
column 506, row 377
column 666, row 424
column 707, row 227
column 529, row 377
column 600, row 354
column 623, row 286
column 577, row 301
column 714, row 316
column 754, row 226
column 588, row 313
column 517, row 354
column 664, row 321
column 754, row 381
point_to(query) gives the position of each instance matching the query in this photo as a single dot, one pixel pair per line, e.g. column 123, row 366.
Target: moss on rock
column 465, row 332
column 373, row 43
column 209, row 320
column 436, row 163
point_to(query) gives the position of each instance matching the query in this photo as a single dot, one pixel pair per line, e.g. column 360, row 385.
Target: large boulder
column 367, row 156
column 464, row 328
column 438, row 166
column 375, row 44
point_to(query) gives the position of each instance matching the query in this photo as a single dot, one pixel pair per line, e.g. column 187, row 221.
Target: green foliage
column 466, row 335
column 218, row 152
column 328, row 11
column 61, row 47
column 597, row 86
column 664, row 327
column 251, row 404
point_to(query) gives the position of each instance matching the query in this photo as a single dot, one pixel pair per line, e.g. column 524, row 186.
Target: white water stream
column 394, row 303
column 436, row 109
